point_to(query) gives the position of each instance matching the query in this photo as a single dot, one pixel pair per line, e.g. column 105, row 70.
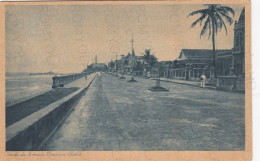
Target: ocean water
column 20, row 87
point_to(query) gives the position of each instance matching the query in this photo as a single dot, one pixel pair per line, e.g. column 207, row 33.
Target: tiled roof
column 200, row 53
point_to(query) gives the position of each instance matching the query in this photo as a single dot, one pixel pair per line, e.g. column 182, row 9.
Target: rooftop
column 200, row 53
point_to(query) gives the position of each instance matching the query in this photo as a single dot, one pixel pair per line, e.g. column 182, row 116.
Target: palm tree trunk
column 213, row 49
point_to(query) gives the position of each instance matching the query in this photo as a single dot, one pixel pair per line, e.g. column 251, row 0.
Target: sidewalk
column 197, row 84
column 193, row 83
column 184, row 82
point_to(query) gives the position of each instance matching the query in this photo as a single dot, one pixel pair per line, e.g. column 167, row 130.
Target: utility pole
column 116, row 63
column 132, row 42
column 132, row 57
column 115, row 60
column 96, row 59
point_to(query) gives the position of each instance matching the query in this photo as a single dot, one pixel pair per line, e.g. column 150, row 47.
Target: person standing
column 86, row 77
column 202, row 80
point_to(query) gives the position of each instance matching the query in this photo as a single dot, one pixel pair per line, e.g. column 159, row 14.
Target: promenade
column 185, row 82
column 117, row 115
column 197, row 84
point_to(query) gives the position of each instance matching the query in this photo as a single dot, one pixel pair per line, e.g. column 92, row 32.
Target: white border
column 255, row 76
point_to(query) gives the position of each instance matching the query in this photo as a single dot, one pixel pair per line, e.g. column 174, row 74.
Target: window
column 238, row 41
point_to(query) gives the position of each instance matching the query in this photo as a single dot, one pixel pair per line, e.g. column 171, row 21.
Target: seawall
column 29, row 133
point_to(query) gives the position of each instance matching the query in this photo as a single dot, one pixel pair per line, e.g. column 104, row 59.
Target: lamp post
column 116, row 65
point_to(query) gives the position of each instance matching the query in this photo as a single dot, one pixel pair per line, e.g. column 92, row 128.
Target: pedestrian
column 202, row 80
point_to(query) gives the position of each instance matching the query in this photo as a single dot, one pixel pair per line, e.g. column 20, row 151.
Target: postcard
column 126, row 80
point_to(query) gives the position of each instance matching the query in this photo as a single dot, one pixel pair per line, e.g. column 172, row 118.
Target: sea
column 22, row 86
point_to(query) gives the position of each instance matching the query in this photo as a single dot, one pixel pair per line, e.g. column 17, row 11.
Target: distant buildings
column 128, row 64
column 96, row 67
column 191, row 63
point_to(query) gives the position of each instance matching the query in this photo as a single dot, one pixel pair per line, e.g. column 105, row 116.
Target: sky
column 65, row 39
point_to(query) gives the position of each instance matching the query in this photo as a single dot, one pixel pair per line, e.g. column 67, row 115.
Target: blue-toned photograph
column 140, row 77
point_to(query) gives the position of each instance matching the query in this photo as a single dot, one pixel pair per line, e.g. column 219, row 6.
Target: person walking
column 86, row 77
column 202, row 80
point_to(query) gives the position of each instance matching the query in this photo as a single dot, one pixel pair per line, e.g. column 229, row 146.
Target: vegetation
column 213, row 17
column 150, row 59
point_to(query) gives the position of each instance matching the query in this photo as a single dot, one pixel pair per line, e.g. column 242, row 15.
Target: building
column 238, row 51
column 191, row 63
column 128, row 64
column 231, row 65
column 97, row 67
column 224, row 63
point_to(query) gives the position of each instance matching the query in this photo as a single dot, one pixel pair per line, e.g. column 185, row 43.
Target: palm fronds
column 214, row 14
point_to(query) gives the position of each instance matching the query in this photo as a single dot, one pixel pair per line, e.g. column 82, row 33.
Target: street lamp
column 115, row 59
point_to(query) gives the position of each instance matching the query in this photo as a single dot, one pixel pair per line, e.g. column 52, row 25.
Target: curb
column 207, row 87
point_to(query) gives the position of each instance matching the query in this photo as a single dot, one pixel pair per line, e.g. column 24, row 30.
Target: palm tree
column 150, row 59
column 213, row 16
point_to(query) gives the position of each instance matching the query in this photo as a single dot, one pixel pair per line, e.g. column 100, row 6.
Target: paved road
column 116, row 115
